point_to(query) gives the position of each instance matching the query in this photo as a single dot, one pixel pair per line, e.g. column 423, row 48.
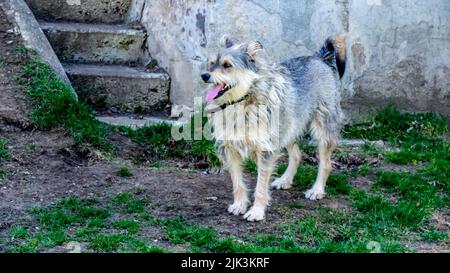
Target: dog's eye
column 227, row 65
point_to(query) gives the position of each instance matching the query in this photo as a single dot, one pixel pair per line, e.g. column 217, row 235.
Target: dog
column 299, row 94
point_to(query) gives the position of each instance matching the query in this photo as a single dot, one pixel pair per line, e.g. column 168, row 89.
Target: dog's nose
column 206, row 77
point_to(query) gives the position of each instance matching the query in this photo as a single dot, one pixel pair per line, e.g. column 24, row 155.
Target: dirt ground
column 46, row 166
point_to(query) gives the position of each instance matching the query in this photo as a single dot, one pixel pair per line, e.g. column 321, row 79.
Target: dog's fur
column 302, row 91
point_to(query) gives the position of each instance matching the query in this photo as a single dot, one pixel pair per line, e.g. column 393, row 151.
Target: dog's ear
column 228, row 41
column 253, row 48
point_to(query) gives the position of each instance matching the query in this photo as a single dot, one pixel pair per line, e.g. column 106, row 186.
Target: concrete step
column 134, row 122
column 95, row 43
column 121, row 88
column 113, row 11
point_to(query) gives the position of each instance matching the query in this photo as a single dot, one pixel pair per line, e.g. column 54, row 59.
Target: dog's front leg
column 240, row 192
column 266, row 163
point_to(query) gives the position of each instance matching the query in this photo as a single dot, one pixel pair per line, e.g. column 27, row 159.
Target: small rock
column 213, row 198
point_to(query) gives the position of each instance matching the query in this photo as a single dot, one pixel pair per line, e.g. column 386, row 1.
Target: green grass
column 21, row 49
column 128, row 225
column 158, row 139
column 5, row 155
column 419, row 136
column 435, row 236
column 117, row 225
column 19, row 233
column 414, row 188
column 124, row 172
column 391, row 125
column 128, row 203
column 404, row 201
column 421, row 141
column 250, row 166
column 84, row 220
column 108, row 243
column 55, row 106
column 306, row 175
column 438, row 170
column 310, row 234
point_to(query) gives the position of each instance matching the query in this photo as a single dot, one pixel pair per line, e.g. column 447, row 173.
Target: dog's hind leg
column 266, row 163
column 240, row 192
column 295, row 157
column 326, row 142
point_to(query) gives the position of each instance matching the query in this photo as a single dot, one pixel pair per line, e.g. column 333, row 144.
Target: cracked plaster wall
column 398, row 49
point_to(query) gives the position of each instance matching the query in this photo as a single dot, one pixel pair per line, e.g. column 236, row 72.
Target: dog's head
column 232, row 71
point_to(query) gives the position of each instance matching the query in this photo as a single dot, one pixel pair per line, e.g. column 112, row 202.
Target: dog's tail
column 333, row 53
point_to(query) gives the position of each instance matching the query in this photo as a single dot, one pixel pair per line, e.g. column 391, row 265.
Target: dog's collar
column 223, row 106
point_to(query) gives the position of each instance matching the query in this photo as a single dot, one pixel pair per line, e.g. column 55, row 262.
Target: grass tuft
column 55, row 106
column 128, row 203
column 392, row 125
column 158, row 139
column 4, row 152
column 124, row 172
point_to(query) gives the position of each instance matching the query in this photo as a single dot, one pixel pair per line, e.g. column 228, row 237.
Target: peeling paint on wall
column 201, row 19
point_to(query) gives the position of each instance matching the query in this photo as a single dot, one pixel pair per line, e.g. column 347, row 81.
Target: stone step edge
column 112, row 71
column 135, row 123
column 119, row 29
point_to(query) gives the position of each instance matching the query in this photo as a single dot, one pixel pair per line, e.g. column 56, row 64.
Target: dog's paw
column 255, row 214
column 315, row 194
column 238, row 208
column 281, row 184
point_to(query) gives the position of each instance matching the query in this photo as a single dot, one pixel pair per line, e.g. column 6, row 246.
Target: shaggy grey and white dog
column 297, row 95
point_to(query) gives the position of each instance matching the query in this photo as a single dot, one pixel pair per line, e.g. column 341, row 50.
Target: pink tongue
column 212, row 94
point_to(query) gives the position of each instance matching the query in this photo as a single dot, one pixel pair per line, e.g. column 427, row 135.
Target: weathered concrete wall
column 398, row 49
column 399, row 53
